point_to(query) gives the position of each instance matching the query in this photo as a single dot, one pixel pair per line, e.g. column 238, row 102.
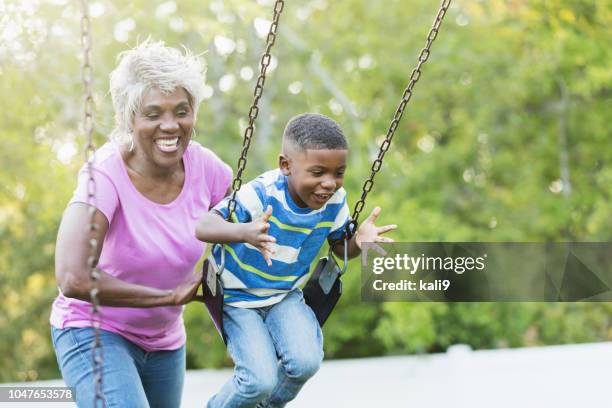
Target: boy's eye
column 182, row 113
column 316, row 172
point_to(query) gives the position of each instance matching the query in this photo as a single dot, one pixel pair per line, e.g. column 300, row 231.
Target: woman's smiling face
column 162, row 128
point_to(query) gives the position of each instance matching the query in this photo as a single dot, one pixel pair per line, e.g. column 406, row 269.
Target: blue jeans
column 132, row 377
column 275, row 349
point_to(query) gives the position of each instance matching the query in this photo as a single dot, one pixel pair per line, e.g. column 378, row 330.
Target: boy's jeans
column 276, row 349
column 133, row 377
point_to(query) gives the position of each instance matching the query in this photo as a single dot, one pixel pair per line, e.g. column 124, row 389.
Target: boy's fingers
column 374, row 214
column 266, row 215
column 267, row 238
column 266, row 255
column 384, row 239
column 268, row 247
column 386, row 228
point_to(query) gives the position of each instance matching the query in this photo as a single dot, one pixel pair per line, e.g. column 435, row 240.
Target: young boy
column 282, row 219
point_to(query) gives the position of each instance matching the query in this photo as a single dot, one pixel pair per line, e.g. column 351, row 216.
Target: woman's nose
column 169, row 125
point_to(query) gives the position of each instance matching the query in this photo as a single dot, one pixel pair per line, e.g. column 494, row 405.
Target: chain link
column 92, row 261
column 414, row 78
column 254, row 110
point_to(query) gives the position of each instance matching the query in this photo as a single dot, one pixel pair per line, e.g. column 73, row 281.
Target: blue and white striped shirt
column 300, row 233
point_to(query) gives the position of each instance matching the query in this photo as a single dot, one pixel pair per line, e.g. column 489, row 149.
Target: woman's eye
column 152, row 116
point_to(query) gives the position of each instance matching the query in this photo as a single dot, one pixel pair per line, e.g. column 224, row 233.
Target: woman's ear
column 284, row 164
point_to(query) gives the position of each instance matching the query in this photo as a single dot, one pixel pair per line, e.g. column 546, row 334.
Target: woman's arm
column 72, row 273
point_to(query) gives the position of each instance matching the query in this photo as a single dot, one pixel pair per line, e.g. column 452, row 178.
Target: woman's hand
column 369, row 232
column 187, row 291
column 256, row 234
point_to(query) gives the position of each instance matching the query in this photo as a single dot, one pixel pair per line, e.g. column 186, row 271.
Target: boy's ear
column 284, row 165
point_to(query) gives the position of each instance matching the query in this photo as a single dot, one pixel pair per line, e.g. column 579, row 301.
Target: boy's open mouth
column 322, row 197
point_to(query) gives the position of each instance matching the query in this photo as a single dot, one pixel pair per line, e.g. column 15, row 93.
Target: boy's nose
column 329, row 184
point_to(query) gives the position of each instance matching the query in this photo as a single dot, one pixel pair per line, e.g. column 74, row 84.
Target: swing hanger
column 92, row 261
column 266, row 58
column 264, row 63
column 351, row 228
column 211, row 286
column 324, row 288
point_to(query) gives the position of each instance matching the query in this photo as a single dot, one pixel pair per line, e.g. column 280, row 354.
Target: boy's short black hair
column 315, row 131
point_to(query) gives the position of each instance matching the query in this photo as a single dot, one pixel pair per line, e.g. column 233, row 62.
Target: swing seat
column 213, row 293
column 324, row 288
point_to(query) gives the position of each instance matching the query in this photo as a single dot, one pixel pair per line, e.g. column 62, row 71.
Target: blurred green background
column 507, row 138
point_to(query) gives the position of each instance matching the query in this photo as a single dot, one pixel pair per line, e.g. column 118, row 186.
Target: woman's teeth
column 167, row 145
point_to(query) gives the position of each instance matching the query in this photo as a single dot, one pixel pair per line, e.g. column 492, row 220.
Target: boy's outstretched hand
column 256, row 234
column 369, row 232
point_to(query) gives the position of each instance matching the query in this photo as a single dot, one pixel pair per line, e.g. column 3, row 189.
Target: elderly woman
column 152, row 184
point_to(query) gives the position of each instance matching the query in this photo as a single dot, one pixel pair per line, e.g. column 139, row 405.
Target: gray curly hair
column 152, row 65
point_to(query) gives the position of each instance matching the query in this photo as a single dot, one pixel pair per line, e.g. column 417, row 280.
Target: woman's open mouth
column 167, row 145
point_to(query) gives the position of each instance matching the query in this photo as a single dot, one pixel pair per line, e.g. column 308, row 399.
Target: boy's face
column 313, row 176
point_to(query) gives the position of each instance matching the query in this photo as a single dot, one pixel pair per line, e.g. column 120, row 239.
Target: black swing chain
column 406, row 96
column 92, row 261
column 254, row 110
